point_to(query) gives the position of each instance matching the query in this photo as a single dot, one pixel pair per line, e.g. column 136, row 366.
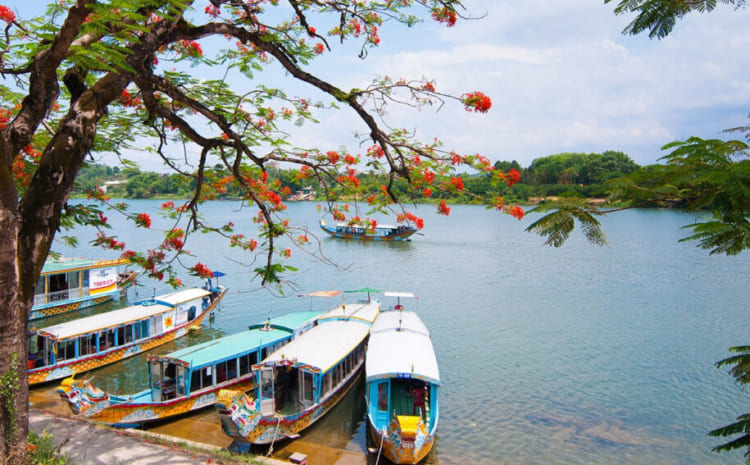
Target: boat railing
column 75, row 293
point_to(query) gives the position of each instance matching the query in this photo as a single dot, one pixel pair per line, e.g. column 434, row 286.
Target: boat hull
column 71, row 305
column 389, row 444
column 123, row 413
column 82, row 365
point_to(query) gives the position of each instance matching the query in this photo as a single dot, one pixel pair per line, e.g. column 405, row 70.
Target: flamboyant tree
column 96, row 76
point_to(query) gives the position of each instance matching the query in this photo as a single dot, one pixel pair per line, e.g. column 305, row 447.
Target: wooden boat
column 80, row 345
column 190, row 378
column 402, row 379
column 363, row 233
column 299, row 383
column 69, row 284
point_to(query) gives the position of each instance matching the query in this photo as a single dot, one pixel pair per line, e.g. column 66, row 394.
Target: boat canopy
column 399, row 294
column 67, row 264
column 323, row 294
column 140, row 311
column 400, row 347
column 365, row 311
column 323, row 346
column 229, row 347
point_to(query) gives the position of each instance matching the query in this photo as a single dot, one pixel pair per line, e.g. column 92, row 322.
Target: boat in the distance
column 80, row 345
column 380, row 232
column 402, row 376
column 299, row 383
column 190, row 378
column 68, row 284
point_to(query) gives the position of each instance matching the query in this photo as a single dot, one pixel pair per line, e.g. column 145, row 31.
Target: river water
column 575, row 355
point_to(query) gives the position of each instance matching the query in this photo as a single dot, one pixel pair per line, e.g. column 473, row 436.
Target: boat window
column 383, row 396
column 41, row 287
column 246, row 363
column 156, row 377
column 144, row 329
column 129, row 333
column 327, row 383
column 106, row 339
column 87, row 345
column 85, row 279
column 180, row 380
column 120, row 335
column 195, row 380
column 307, row 388
column 66, row 350
column 207, row 377
column 74, row 279
column 226, row 370
column 156, row 325
column 38, row 354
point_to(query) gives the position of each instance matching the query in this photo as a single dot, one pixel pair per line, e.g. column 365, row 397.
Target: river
column 575, row 355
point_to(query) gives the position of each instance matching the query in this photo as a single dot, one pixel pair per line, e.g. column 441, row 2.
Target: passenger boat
column 190, row 378
column 402, row 377
column 299, row 383
column 363, row 233
column 80, row 345
column 68, row 284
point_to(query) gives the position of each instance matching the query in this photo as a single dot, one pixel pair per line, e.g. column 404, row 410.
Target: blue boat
column 363, row 233
column 191, row 378
column 403, row 380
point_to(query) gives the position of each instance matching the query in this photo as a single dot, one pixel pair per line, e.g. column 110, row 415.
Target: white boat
column 299, row 383
column 402, row 379
column 80, row 345
column 68, row 284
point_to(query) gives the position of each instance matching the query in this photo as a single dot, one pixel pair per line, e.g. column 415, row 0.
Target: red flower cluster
column 4, row 118
column 201, row 271
column 477, row 101
column 319, row 48
column 443, row 208
column 143, row 220
column 213, row 11
column 6, row 14
column 445, row 15
column 516, row 212
column 409, row 216
column 458, row 183
column 514, row 176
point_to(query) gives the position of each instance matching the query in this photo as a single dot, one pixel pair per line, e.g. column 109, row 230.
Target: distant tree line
column 553, row 175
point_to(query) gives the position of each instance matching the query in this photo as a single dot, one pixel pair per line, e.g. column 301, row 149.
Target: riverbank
column 87, row 443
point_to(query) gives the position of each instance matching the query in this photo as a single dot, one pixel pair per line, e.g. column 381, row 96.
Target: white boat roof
column 323, row 346
column 145, row 309
column 401, row 350
column 398, row 294
column 363, row 310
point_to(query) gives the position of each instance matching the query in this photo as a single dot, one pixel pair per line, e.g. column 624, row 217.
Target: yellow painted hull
column 399, row 454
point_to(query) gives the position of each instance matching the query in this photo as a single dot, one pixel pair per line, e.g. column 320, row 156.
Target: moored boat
column 188, row 379
column 299, row 383
column 80, row 345
column 364, row 233
column 403, row 378
column 68, row 284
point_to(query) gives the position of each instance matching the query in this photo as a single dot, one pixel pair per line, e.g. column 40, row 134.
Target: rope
column 276, row 430
column 380, row 449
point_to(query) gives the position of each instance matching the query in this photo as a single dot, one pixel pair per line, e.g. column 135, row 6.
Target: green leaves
column 558, row 225
column 740, row 370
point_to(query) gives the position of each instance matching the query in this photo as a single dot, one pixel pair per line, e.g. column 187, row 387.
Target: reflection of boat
column 402, row 385
column 80, row 345
column 190, row 378
column 68, row 284
column 299, row 383
column 364, row 233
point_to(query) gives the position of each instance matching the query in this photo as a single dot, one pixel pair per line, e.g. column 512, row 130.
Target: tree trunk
column 14, row 389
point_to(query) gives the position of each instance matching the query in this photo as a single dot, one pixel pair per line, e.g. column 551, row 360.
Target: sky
column 561, row 75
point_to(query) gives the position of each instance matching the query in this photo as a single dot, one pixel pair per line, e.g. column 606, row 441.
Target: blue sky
column 561, row 76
